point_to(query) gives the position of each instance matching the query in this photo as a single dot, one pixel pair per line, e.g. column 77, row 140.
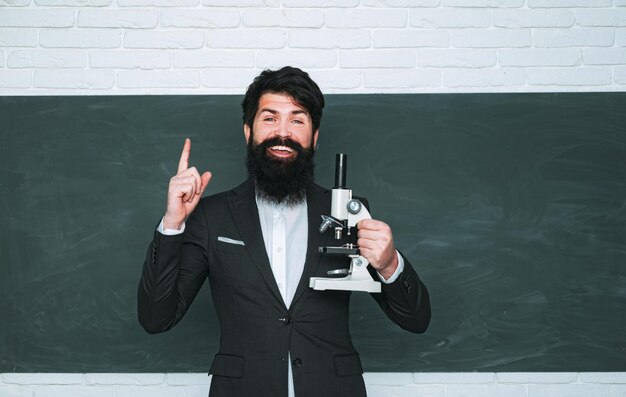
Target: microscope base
column 359, row 279
column 344, row 284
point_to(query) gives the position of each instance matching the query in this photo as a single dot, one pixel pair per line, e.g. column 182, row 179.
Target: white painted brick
column 574, row 37
column 37, row 18
column 80, row 38
column 606, row 17
column 47, row 59
column 576, row 390
column 253, row 39
column 14, row 391
column 97, row 18
column 182, row 379
column 130, row 59
column 491, row 38
column 364, row 18
column 620, row 3
column 228, row 78
column 42, row 378
column 213, row 59
column 533, row 18
column 605, row 56
column 18, row 38
column 537, row 377
column 540, row 57
column 305, row 59
column 321, row 3
column 156, row 391
column 74, row 391
column 76, row 3
column 287, row 18
column 406, row 391
column 199, row 18
column 483, row 3
column 158, row 79
column 14, row 3
column 450, row 18
column 503, row 77
column 570, row 76
column 495, row 390
column 329, row 38
column 241, row 3
column 124, row 379
column 401, row 78
column 388, row 378
column 336, row 79
column 411, row 38
column 158, row 3
column 163, row 39
column 569, row 3
column 603, row 377
column 401, row 3
column 79, row 79
column 377, row 59
column 619, row 390
column 453, row 378
column 620, row 37
column 456, row 58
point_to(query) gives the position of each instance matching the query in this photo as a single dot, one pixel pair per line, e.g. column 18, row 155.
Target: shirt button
column 297, row 363
column 279, row 249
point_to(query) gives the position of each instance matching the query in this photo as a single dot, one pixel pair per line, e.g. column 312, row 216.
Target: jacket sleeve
column 173, row 272
column 405, row 301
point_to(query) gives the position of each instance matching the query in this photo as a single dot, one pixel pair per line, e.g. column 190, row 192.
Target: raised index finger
column 183, row 163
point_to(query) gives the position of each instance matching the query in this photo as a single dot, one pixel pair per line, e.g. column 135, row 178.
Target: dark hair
column 291, row 81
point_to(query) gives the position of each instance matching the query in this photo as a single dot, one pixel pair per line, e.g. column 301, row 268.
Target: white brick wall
column 484, row 384
column 82, row 47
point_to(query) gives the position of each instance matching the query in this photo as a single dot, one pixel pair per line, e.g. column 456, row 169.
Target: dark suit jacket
column 257, row 329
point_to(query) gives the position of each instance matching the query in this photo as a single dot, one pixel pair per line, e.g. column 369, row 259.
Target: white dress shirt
column 285, row 233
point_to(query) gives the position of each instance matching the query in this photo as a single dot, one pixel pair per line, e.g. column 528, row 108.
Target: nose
column 283, row 130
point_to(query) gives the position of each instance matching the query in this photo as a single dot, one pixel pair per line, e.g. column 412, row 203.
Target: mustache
column 278, row 141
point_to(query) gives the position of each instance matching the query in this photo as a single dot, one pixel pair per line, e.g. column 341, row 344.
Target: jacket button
column 297, row 363
column 286, row 320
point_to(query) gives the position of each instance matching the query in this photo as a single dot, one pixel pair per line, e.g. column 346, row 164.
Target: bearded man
column 258, row 246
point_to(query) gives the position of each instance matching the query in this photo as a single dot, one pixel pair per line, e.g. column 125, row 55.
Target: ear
column 246, row 132
column 315, row 135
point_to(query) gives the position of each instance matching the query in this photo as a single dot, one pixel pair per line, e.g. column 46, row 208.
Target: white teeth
column 282, row 148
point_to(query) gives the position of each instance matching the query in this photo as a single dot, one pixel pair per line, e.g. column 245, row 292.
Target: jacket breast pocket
column 228, row 365
column 348, row 365
column 234, row 247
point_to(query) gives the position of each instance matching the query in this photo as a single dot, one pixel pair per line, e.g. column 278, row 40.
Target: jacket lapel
column 318, row 203
column 246, row 216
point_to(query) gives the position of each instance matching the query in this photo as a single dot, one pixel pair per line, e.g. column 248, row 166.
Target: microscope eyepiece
column 341, row 166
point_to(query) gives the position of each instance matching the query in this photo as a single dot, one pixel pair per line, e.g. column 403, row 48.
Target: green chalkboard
column 512, row 208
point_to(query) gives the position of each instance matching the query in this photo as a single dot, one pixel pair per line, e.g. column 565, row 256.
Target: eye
column 296, row 121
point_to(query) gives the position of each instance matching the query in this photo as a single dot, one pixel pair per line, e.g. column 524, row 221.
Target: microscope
column 346, row 212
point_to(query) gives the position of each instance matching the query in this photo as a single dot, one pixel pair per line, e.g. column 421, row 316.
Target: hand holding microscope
column 346, row 212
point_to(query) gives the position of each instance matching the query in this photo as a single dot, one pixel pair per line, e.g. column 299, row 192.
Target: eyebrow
column 293, row 112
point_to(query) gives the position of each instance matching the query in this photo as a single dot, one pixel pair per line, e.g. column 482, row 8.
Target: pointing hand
column 184, row 191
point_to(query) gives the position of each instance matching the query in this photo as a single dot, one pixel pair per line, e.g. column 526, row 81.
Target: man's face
column 281, row 146
column 278, row 116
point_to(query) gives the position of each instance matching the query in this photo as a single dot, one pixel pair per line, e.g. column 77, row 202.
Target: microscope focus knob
column 354, row 206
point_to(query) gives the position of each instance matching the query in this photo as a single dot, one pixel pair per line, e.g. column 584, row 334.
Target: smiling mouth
column 281, row 151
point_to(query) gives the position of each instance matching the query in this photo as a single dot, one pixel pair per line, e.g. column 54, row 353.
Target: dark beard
column 280, row 181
